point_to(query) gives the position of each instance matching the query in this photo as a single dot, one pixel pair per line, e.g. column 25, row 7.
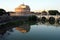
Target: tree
column 2, row 11
column 53, row 12
column 32, row 18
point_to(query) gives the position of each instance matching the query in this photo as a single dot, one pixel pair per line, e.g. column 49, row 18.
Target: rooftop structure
column 22, row 8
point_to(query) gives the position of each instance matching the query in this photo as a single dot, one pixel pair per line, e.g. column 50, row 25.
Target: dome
column 22, row 8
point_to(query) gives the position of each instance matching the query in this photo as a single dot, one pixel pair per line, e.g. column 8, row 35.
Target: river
column 32, row 31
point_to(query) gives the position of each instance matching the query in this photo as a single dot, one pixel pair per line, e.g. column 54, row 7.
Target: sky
column 10, row 5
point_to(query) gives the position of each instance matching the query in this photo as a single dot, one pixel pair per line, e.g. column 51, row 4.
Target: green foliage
column 32, row 18
column 53, row 12
column 2, row 11
column 13, row 23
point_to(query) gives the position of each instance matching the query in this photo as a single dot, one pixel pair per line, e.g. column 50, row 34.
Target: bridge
column 51, row 18
column 48, row 16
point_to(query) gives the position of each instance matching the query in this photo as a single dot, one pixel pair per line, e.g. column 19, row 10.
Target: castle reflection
column 24, row 28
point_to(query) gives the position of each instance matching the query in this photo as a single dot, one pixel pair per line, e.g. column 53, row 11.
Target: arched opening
column 51, row 20
column 43, row 20
column 58, row 20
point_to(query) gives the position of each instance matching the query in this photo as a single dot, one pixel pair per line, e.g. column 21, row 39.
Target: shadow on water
column 22, row 26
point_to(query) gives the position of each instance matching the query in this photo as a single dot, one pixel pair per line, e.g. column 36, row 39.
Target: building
column 22, row 9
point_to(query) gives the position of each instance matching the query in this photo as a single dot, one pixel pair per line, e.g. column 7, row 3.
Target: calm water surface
column 30, row 32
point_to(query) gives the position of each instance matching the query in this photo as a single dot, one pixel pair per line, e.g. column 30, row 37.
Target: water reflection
column 5, row 30
column 28, row 30
column 24, row 28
